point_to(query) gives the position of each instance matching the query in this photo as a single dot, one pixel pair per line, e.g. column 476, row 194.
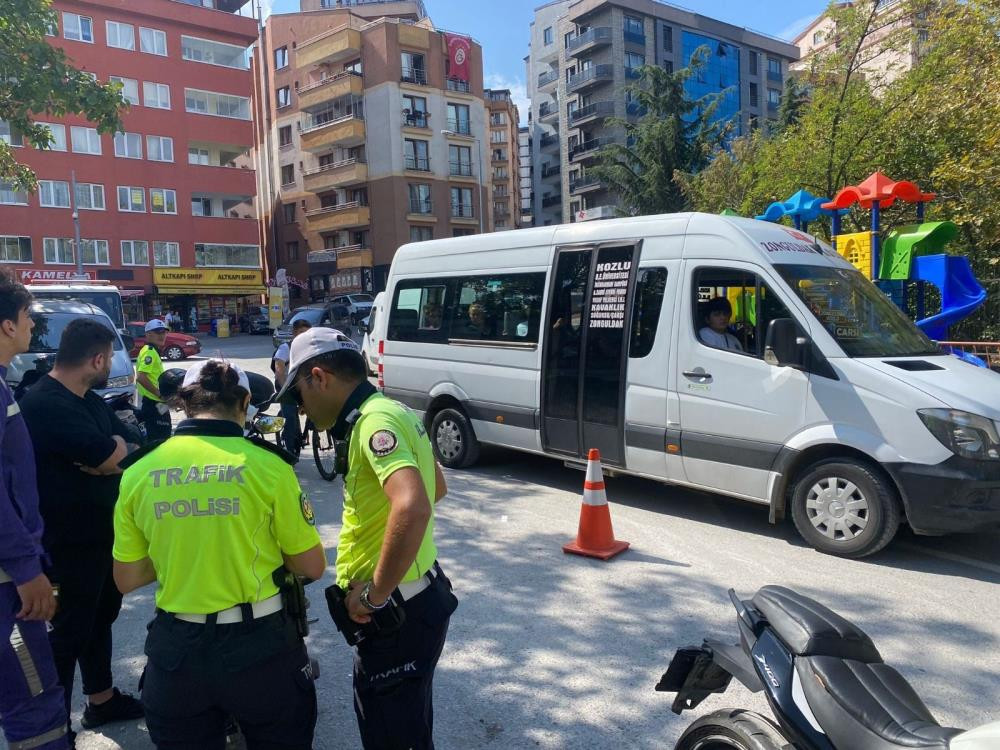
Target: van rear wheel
column 454, row 440
column 845, row 508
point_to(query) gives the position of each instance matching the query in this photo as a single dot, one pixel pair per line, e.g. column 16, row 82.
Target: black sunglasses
column 294, row 392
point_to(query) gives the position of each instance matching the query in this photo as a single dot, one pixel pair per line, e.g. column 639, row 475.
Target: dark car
column 177, row 346
column 260, row 320
column 326, row 315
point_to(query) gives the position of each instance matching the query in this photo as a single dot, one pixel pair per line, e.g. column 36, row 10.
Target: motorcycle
column 128, row 415
column 824, row 680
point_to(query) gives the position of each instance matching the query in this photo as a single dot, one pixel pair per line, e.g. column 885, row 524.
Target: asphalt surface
column 549, row 650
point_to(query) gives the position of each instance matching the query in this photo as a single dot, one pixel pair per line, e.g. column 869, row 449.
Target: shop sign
column 29, row 275
column 275, row 305
column 214, row 277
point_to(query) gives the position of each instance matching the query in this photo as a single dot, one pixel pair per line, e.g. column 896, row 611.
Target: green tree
column 674, row 134
column 792, row 101
column 37, row 79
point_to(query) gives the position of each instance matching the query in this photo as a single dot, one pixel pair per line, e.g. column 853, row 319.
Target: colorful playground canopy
column 878, row 187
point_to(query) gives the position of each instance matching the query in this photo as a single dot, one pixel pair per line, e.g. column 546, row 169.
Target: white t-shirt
column 282, row 353
column 719, row 340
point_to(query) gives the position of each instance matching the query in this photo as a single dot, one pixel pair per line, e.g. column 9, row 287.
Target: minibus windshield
column 863, row 320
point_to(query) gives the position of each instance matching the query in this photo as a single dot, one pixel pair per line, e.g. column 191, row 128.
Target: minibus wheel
column 844, row 507
column 454, row 440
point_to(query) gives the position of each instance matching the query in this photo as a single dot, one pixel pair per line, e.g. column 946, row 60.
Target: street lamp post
column 479, row 157
column 77, row 248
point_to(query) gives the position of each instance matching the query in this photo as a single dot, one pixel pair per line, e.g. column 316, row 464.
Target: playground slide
column 961, row 293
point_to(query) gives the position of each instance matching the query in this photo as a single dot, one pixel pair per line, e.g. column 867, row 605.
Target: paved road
column 552, row 651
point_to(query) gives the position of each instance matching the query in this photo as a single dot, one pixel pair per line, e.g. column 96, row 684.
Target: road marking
column 952, row 557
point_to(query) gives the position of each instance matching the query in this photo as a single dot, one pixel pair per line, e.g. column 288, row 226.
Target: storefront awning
column 241, row 291
column 131, row 292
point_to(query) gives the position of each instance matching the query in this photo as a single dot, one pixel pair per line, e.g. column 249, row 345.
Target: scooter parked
column 823, row 677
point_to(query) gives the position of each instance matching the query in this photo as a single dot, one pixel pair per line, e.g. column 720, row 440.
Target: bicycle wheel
column 324, row 453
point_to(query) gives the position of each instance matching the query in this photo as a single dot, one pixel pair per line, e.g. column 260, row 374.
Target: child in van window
column 718, row 313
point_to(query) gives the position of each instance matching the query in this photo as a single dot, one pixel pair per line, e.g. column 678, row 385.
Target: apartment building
column 370, row 120
column 505, row 160
column 524, row 175
column 584, row 55
column 167, row 207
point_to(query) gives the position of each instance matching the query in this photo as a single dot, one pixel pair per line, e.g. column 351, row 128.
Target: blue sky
column 501, row 26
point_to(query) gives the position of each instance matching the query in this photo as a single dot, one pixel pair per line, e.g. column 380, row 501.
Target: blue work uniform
column 32, row 711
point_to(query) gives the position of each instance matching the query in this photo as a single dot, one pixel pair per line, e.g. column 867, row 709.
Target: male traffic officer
column 386, row 554
column 32, row 713
column 148, row 367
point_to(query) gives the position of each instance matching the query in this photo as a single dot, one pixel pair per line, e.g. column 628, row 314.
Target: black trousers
column 157, row 425
column 197, row 676
column 394, row 674
column 89, row 603
column 291, row 433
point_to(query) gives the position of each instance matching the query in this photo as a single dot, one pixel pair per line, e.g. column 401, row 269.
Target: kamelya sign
column 29, row 275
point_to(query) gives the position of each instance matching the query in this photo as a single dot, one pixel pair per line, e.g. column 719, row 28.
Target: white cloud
column 795, row 28
column 518, row 92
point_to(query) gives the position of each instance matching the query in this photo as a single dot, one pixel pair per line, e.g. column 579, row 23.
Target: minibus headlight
column 964, row 434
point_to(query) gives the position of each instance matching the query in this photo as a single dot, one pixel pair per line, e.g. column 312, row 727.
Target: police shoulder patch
column 307, row 510
column 383, row 442
column 148, row 360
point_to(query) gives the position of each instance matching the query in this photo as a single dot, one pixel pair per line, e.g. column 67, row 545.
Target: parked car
column 259, row 320
column 359, row 305
column 322, row 314
column 51, row 317
column 370, row 340
column 177, row 346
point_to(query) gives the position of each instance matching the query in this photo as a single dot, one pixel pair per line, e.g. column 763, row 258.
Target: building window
column 634, row 61
column 85, row 140
column 57, row 134
column 128, row 145
column 162, row 201
column 153, row 41
column 131, row 199
column 413, row 68
column 773, row 98
column 754, row 95
column 10, row 136
column 78, row 28
column 415, row 111
column 167, row 253
column 156, row 95
column 774, row 68
column 215, row 53
column 219, row 105
column 121, row 35
column 287, row 174
column 57, row 250
column 281, row 58
column 460, row 160
column 421, row 234
column 89, row 196
column 198, row 156
column 567, row 38
column 461, row 202
column 94, row 252
column 52, row 29
column 201, row 206
column 226, row 256
column 668, row 38
column 462, row 232
column 159, row 148
column 284, row 96
column 754, row 63
column 292, row 250
column 135, row 253
column 289, row 211
column 420, row 199
column 15, row 249
column 633, row 25
column 415, row 155
column 130, row 88
column 285, row 135
column 458, row 119
column 817, row 37
column 547, row 36
column 53, row 193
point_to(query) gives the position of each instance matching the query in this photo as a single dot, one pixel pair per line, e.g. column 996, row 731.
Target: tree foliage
column 37, row 80
column 674, row 134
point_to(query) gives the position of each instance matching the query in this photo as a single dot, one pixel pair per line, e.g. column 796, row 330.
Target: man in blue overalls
column 32, row 711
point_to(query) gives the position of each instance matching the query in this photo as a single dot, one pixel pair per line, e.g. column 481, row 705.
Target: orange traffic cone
column 595, row 537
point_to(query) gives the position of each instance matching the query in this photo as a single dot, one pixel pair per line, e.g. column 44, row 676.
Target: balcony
column 546, row 80
column 632, row 73
column 410, row 35
column 454, row 84
column 416, row 120
column 774, row 76
column 596, row 212
column 588, row 149
column 344, row 255
column 417, row 163
column 552, row 200
column 634, row 37
column 772, row 106
column 592, row 76
column 550, row 170
column 498, row 157
column 320, row 137
column 462, row 211
column 340, row 174
column 354, row 256
column 414, row 75
column 421, row 207
column 592, row 112
column 333, row 87
column 459, row 169
column 599, row 36
column 329, row 47
column 341, row 216
column 548, row 141
column 548, row 112
column 584, row 184
column 322, row 256
column 459, row 127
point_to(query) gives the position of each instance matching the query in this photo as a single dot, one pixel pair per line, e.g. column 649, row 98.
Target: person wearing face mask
column 212, row 516
column 78, row 443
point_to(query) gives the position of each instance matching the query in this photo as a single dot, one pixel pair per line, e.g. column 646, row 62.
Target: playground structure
column 910, row 257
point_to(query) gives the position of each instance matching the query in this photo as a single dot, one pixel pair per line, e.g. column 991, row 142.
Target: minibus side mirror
column 363, row 327
column 785, row 345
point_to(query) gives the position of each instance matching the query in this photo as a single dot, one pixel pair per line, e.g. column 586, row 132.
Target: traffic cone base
column 595, row 537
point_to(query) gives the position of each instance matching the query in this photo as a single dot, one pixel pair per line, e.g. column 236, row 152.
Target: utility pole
column 77, row 246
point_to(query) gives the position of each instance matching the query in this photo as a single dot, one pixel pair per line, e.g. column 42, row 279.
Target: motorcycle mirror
column 268, row 425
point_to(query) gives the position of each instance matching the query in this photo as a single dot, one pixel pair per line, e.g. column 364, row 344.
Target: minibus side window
column 649, row 287
column 417, row 313
column 505, row 308
column 732, row 309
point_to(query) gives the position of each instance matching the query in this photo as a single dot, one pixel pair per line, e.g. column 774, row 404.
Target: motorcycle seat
column 865, row 706
column 810, row 629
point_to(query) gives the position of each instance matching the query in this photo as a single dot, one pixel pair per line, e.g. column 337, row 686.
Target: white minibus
column 721, row 353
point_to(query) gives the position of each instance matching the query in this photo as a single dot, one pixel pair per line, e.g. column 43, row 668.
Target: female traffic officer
column 210, row 516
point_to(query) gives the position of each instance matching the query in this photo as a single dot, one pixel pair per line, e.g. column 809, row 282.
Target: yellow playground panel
column 857, row 250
